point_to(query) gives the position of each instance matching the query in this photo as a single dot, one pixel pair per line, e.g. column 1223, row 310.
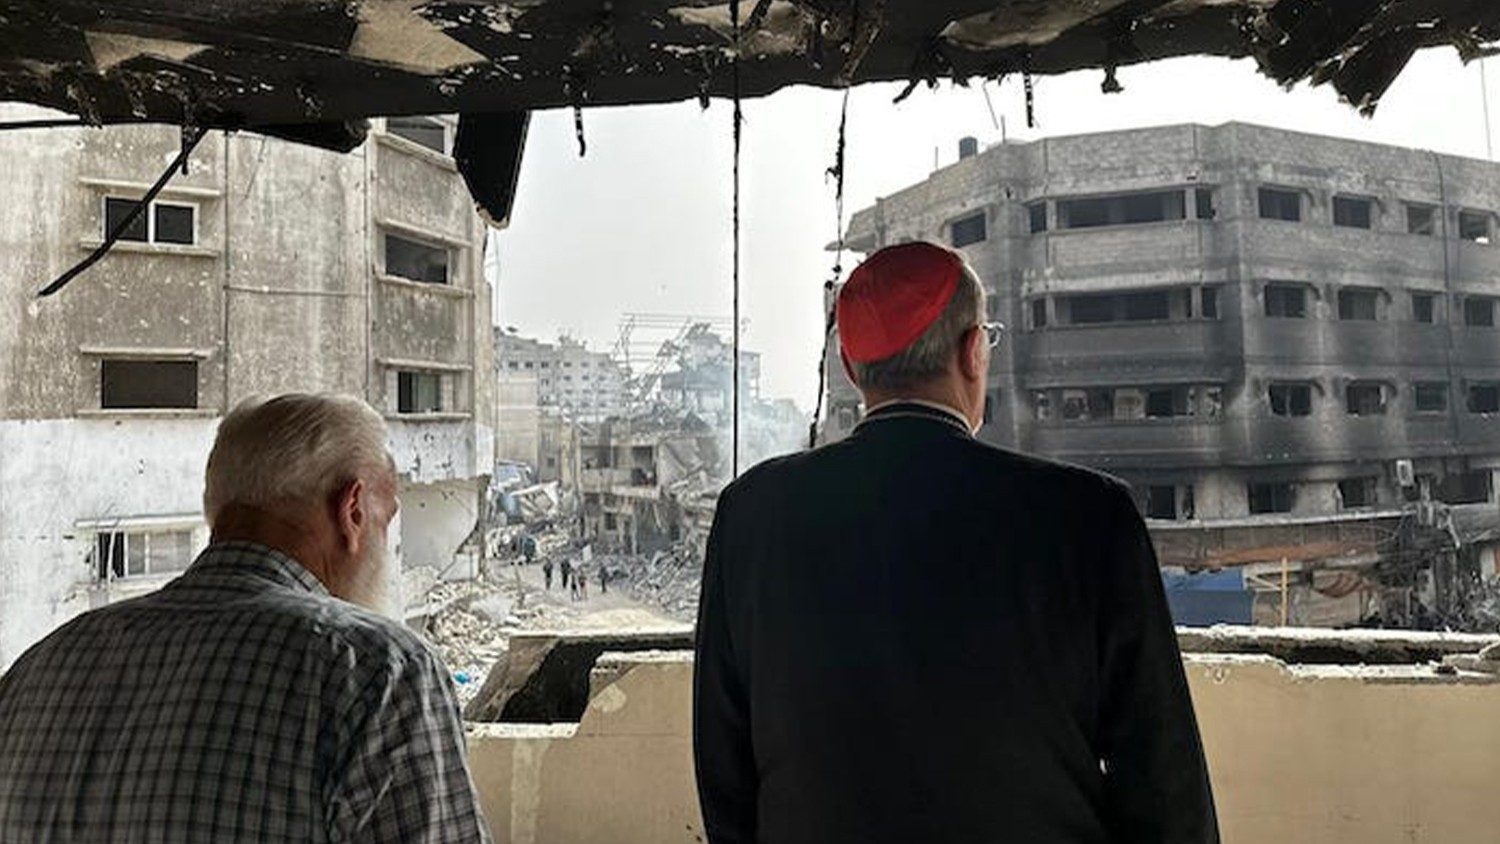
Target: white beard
column 378, row 586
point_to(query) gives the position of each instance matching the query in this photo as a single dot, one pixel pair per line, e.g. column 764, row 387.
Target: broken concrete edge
column 551, row 676
column 1218, row 667
column 546, row 678
column 613, row 667
column 517, row 671
column 1320, row 646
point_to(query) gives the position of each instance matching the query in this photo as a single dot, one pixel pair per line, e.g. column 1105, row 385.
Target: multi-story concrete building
column 585, row 385
column 1239, row 320
column 1257, row 328
column 267, row 267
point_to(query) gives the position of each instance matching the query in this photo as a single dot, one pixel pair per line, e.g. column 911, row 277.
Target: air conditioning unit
column 1406, row 475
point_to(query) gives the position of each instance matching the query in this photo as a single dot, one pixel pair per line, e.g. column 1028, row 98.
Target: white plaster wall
column 435, row 519
column 429, row 451
column 55, row 473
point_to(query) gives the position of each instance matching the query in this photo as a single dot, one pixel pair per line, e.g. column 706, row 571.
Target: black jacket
column 912, row 636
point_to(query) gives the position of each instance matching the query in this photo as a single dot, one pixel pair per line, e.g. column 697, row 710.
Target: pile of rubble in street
column 666, row 580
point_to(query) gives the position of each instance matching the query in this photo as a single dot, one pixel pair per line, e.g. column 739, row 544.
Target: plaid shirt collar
column 261, row 560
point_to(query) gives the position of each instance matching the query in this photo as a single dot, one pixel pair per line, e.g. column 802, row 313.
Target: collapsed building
column 1285, row 342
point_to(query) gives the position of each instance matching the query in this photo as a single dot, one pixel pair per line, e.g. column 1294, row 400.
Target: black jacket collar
column 914, row 410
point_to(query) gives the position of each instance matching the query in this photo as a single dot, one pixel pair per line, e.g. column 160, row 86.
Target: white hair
column 292, row 449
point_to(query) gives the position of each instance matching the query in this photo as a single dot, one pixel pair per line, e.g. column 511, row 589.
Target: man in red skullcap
column 912, row 636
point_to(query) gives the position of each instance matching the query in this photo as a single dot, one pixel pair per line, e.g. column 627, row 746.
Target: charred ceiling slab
column 313, row 69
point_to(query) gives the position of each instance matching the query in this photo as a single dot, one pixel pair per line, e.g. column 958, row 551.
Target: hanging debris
column 313, row 70
column 837, row 172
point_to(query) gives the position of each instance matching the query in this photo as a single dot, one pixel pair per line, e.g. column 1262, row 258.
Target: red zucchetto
column 893, row 297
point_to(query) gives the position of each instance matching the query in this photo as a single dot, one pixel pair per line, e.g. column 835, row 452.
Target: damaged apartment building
column 266, row 267
column 651, row 478
column 1286, row 343
column 544, row 393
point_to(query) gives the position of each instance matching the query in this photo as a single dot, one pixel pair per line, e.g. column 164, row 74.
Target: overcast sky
column 642, row 222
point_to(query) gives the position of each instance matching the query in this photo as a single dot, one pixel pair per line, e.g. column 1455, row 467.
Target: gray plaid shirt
column 239, row 703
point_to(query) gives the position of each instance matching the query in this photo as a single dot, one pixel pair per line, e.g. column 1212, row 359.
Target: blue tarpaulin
column 1207, row 598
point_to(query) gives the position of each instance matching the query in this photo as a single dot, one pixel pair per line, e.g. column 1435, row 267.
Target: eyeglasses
column 992, row 332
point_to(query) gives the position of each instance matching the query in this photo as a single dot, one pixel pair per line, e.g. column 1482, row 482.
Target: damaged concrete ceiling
column 311, row 70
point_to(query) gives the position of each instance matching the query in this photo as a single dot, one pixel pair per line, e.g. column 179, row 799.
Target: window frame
column 1208, row 302
column 1431, row 300
column 1289, row 402
column 1441, row 388
column 414, row 378
column 105, row 570
column 1065, row 207
column 1465, row 214
column 448, row 133
column 1263, row 191
column 1037, row 311
column 106, row 362
column 954, row 224
column 1347, row 295
column 1345, row 202
column 447, row 249
column 1368, row 483
column 1493, row 386
column 1281, row 287
column 1037, row 225
column 1432, row 219
column 1274, row 488
column 149, row 218
column 1351, row 407
column 1489, row 321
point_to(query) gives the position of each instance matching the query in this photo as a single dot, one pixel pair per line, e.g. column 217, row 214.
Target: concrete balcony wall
column 1161, row 352
column 1335, row 255
column 1131, row 255
column 1479, row 349
column 1326, row 754
column 431, row 450
column 1327, row 436
column 1141, row 444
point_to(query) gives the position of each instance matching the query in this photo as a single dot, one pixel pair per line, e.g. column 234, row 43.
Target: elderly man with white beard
column 267, row 694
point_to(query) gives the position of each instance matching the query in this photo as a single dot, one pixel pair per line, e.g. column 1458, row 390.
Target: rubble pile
column 667, row 580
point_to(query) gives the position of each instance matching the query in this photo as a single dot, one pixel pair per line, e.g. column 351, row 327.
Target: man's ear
column 971, row 351
column 350, row 514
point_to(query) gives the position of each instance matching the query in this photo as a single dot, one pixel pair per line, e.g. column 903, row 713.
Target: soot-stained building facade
column 1240, row 321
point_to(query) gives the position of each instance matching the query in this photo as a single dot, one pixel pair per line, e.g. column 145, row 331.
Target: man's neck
column 240, row 523
column 934, row 396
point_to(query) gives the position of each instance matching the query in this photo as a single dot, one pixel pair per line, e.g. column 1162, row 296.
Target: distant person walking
column 850, row 688
column 603, row 580
column 567, row 574
column 547, row 574
column 581, row 577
